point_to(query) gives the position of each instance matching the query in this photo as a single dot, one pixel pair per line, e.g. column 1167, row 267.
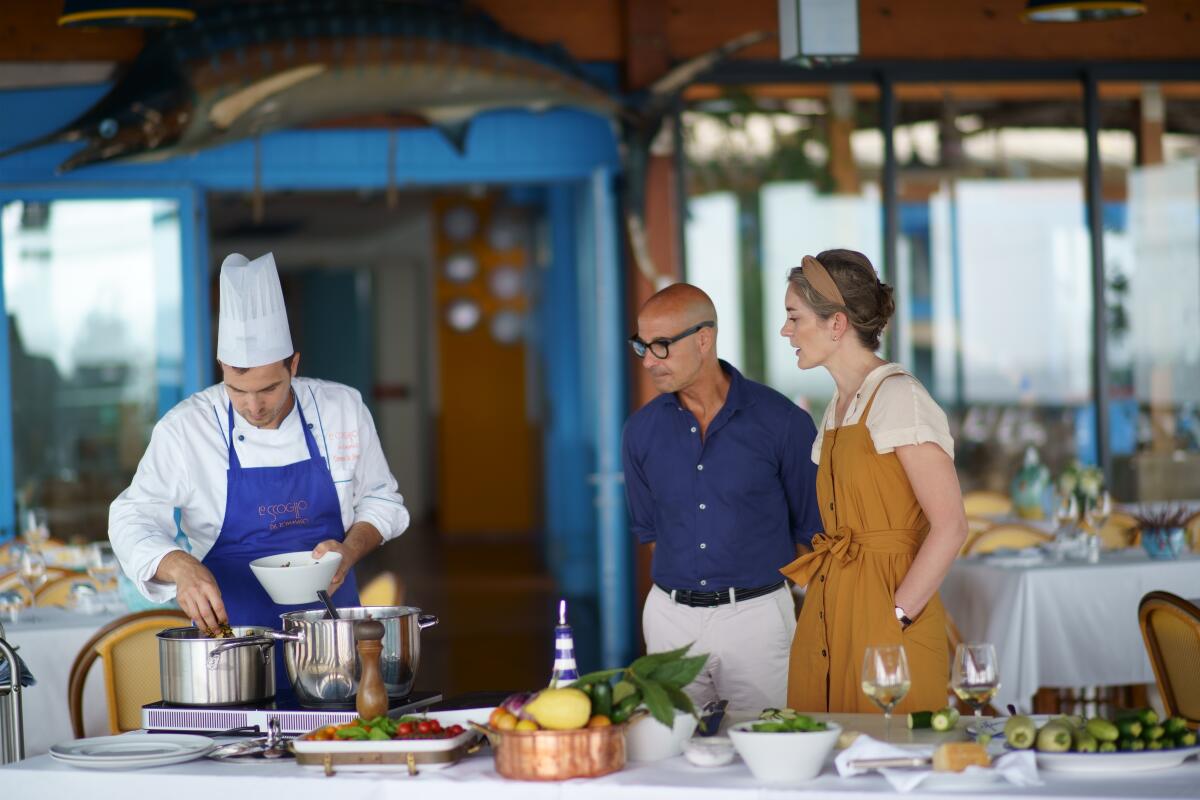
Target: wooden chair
column 385, row 589
column 129, row 649
column 58, row 591
column 1171, row 630
column 1012, row 536
column 1120, row 531
column 975, row 526
column 987, row 504
column 1192, row 526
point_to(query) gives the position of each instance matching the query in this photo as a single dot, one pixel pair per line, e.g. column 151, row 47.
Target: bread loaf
column 957, row 756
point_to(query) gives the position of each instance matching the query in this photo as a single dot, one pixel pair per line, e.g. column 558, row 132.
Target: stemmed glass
column 102, row 566
column 36, row 530
column 1066, row 516
column 975, row 677
column 32, row 573
column 885, row 679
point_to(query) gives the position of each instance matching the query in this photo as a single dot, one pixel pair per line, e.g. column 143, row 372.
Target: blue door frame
column 573, row 154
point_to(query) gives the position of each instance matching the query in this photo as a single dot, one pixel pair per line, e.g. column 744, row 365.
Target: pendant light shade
column 1082, row 10
column 125, row 13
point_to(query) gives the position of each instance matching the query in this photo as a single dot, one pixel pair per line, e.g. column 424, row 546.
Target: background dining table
column 1061, row 623
column 48, row 643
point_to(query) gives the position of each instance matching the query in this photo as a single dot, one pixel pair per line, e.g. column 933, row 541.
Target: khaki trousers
column 748, row 643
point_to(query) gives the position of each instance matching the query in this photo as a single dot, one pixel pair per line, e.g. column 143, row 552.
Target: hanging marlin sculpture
column 246, row 69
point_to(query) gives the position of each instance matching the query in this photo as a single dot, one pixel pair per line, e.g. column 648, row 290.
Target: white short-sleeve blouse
column 903, row 413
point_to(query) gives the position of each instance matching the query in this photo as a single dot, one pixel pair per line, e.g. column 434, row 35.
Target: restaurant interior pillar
column 841, row 125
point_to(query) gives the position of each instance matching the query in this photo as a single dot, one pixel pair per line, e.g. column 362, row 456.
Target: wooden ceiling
column 600, row 30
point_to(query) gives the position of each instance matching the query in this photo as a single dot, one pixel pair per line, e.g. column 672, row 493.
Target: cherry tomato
column 423, row 727
column 404, row 728
column 435, row 726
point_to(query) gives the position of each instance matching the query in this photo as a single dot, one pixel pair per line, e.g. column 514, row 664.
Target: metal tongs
column 273, row 745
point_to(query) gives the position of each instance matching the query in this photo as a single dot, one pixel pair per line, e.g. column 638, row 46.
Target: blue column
column 8, row 506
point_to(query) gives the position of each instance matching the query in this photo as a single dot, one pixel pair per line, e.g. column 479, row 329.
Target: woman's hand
column 931, row 473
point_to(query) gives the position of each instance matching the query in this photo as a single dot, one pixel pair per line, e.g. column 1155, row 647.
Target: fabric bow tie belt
column 847, row 546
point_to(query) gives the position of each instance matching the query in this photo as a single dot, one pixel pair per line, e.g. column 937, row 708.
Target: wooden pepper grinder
column 372, row 700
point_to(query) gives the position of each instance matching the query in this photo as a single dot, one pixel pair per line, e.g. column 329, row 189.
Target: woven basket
column 559, row 755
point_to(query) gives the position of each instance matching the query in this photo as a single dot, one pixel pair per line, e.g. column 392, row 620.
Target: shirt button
column 702, row 506
column 693, row 429
column 241, row 438
column 704, row 583
column 700, row 467
column 310, row 426
column 703, row 546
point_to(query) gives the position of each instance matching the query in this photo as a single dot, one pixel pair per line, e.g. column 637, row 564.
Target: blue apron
column 270, row 510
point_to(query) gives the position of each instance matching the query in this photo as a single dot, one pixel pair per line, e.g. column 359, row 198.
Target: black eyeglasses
column 661, row 348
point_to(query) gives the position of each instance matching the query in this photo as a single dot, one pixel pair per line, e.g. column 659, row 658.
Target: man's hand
column 361, row 539
column 195, row 588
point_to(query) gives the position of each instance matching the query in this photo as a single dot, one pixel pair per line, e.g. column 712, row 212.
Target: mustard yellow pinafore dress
column 873, row 529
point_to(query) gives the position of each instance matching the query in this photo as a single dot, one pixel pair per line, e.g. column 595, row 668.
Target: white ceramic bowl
column 709, row 751
column 784, row 757
column 647, row 739
column 299, row 581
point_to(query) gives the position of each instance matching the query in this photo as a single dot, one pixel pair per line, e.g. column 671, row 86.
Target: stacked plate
column 132, row 751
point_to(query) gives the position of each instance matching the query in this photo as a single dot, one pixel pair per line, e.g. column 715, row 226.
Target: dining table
column 1061, row 623
column 47, row 640
column 672, row 778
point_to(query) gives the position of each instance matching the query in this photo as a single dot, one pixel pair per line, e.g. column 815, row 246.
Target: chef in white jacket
column 263, row 463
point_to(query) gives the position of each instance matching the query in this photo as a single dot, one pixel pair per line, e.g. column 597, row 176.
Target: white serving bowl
column 709, row 751
column 299, row 581
column 784, row 757
column 647, row 739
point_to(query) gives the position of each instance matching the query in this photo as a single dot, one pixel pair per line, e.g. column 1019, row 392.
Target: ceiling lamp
column 116, row 13
column 1082, row 10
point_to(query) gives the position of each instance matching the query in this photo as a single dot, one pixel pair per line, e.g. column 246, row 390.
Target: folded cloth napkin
column 1018, row 767
column 27, row 678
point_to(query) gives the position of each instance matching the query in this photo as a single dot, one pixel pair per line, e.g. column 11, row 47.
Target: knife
column 897, row 761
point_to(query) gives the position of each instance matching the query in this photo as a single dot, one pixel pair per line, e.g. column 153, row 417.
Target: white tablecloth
column 48, row 645
column 1063, row 624
column 672, row 779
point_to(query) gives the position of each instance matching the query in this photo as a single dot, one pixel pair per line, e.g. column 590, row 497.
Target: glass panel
column 783, row 172
column 1150, row 152
column 92, row 291
column 994, row 257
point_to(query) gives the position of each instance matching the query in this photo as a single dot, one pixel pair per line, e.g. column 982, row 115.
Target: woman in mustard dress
column 888, row 493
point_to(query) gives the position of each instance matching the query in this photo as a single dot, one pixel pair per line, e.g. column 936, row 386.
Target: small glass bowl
column 709, row 751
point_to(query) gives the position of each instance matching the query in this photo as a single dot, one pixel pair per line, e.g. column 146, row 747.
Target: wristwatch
column 902, row 618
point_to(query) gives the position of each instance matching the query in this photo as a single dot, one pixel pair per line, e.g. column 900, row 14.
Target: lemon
column 560, row 709
column 526, row 725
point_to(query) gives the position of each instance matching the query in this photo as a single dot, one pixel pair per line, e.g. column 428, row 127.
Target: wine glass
column 36, row 527
column 885, row 679
column 975, row 677
column 1067, row 514
column 32, row 574
column 102, row 566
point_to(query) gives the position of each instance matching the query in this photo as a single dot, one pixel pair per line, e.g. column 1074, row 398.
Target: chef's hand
column 361, row 539
column 195, row 588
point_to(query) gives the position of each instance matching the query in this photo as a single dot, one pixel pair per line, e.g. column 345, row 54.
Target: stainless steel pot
column 197, row 670
column 323, row 663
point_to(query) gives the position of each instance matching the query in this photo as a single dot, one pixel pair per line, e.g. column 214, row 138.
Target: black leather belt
column 688, row 597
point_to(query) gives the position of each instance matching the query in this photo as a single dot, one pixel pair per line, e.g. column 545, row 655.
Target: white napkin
column 1018, row 767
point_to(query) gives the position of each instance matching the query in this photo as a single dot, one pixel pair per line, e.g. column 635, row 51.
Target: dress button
column 821, row 615
column 700, row 467
column 704, row 583
column 831, row 506
column 703, row 546
column 702, row 506
column 822, row 579
column 822, row 652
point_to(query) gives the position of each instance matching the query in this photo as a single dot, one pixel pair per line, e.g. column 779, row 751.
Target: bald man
column 721, row 485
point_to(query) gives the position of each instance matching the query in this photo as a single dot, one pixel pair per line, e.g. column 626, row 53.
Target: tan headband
column 820, row 280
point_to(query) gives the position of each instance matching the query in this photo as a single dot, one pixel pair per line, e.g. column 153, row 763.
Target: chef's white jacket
column 186, row 462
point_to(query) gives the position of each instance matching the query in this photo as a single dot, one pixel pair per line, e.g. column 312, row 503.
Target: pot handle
column 426, row 621
column 265, row 639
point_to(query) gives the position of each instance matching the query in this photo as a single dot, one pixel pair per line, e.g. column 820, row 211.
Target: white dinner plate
column 1115, row 762
column 969, row 780
column 131, row 752
column 994, row 727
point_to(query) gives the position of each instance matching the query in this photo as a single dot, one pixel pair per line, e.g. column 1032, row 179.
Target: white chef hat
column 252, row 330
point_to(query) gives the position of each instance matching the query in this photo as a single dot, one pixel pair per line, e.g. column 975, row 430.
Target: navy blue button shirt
column 726, row 509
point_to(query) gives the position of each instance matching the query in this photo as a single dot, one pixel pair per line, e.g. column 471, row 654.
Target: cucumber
column 1083, row 742
column 1155, row 744
column 1187, row 739
column 1148, row 717
column 1176, row 726
column 1103, row 730
column 626, row 707
column 1107, row 747
column 945, row 719
column 602, row 699
column 1130, row 727
column 920, row 719
column 1153, row 733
